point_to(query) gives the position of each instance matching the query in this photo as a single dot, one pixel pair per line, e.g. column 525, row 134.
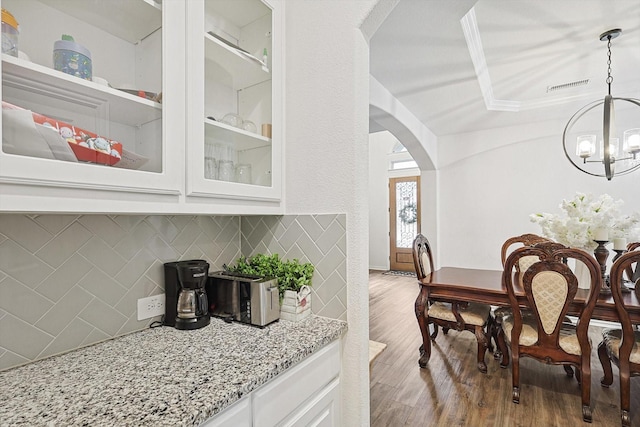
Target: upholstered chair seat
column 529, row 336
column 612, row 339
column 472, row 314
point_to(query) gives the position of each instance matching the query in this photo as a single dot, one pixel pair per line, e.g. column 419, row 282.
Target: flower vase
column 296, row 305
column 583, row 275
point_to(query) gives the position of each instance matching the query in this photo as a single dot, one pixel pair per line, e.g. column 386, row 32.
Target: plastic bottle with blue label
column 72, row 58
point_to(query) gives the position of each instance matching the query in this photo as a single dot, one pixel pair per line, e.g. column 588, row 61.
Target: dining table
column 485, row 286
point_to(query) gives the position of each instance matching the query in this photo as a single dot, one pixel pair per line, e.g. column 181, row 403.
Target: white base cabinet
column 307, row 394
column 236, row 415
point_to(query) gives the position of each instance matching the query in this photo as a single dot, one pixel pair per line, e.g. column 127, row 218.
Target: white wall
column 380, row 146
column 326, row 133
column 487, row 197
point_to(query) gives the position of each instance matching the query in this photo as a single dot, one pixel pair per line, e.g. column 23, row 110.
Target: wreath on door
column 409, row 214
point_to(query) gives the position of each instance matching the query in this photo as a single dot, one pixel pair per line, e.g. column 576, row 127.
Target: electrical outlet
column 151, row 306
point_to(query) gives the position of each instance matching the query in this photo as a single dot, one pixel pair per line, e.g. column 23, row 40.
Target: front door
column 404, row 215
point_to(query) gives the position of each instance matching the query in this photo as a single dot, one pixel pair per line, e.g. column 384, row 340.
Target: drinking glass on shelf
column 210, row 168
column 226, row 170
column 243, row 173
column 249, row 126
column 210, row 163
column 233, row 120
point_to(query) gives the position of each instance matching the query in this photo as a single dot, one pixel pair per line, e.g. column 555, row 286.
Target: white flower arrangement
column 584, row 214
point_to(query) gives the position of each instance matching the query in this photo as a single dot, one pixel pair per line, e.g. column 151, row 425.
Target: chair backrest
column 522, row 240
column 633, row 272
column 615, row 278
column 550, row 288
column 422, row 258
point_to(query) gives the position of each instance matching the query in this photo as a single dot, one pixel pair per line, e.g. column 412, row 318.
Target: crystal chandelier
column 625, row 159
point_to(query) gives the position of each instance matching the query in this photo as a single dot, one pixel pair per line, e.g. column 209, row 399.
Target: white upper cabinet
column 234, row 139
column 118, row 105
column 87, row 122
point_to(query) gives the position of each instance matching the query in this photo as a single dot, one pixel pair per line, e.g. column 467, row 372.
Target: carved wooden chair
column 633, row 274
column 622, row 346
column 523, row 264
column 523, row 240
column 547, row 289
column 509, row 246
column 456, row 315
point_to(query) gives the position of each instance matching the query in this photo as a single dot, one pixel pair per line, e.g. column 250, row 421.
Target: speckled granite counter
column 158, row 377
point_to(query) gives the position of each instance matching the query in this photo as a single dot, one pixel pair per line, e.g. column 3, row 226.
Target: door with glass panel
column 404, row 215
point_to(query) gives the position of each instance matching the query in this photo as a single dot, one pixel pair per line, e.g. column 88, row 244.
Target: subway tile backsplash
column 67, row 281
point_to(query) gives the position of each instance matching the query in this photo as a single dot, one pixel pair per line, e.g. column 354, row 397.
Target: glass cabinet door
column 232, row 146
column 83, row 99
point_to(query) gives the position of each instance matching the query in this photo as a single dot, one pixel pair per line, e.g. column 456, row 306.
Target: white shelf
column 24, row 77
column 241, row 139
column 243, row 70
column 130, row 20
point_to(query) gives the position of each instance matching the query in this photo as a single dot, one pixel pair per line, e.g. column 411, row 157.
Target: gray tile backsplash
column 68, row 281
column 319, row 239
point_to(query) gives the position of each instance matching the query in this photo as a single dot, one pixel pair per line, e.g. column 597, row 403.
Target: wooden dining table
column 485, row 286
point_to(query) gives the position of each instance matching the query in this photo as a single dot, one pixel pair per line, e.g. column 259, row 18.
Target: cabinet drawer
column 323, row 410
column 236, row 415
column 293, row 388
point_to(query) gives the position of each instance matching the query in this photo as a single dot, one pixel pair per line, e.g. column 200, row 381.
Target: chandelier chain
column 609, row 77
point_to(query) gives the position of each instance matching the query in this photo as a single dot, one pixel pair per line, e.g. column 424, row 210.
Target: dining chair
column 633, row 274
column 512, row 243
column 509, row 245
column 622, row 346
column 448, row 314
column 547, row 289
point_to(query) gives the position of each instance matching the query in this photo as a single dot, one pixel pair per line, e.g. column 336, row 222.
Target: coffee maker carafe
column 186, row 304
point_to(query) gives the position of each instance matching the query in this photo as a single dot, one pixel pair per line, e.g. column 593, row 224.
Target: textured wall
column 318, row 239
column 327, row 146
column 67, row 281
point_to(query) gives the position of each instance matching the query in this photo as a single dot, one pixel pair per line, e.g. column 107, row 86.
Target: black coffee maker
column 186, row 305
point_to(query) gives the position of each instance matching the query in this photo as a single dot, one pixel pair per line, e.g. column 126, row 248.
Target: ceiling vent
column 567, row 85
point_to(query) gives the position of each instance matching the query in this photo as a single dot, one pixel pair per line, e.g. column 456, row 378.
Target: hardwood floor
column 452, row 392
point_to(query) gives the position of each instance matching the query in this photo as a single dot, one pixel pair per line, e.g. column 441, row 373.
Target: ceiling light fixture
column 585, row 135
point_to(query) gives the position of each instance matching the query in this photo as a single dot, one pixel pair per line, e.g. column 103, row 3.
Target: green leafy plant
column 292, row 274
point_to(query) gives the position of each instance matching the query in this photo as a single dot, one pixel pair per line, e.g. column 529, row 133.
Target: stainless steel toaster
column 243, row 298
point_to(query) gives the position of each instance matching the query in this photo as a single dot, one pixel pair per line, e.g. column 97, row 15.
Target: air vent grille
column 567, row 85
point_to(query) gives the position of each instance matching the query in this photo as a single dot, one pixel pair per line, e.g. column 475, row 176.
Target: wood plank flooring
column 452, row 392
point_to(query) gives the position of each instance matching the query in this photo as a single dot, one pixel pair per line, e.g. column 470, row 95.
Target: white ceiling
column 520, row 47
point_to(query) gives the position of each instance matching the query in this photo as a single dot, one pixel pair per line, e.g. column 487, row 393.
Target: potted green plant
column 294, row 279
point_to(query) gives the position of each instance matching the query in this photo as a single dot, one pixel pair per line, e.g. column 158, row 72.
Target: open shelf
column 241, row 139
column 24, row 77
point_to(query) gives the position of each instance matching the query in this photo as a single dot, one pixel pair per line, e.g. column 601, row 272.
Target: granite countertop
column 160, row 376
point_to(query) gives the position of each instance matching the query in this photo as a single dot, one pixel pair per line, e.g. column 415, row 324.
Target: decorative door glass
column 407, row 213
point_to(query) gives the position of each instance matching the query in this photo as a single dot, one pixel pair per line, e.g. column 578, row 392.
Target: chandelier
column 616, row 160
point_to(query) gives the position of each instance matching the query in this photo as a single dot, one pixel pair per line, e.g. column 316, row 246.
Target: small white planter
column 296, row 305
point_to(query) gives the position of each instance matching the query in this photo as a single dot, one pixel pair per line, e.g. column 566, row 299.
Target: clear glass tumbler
column 243, row 173
column 226, row 170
